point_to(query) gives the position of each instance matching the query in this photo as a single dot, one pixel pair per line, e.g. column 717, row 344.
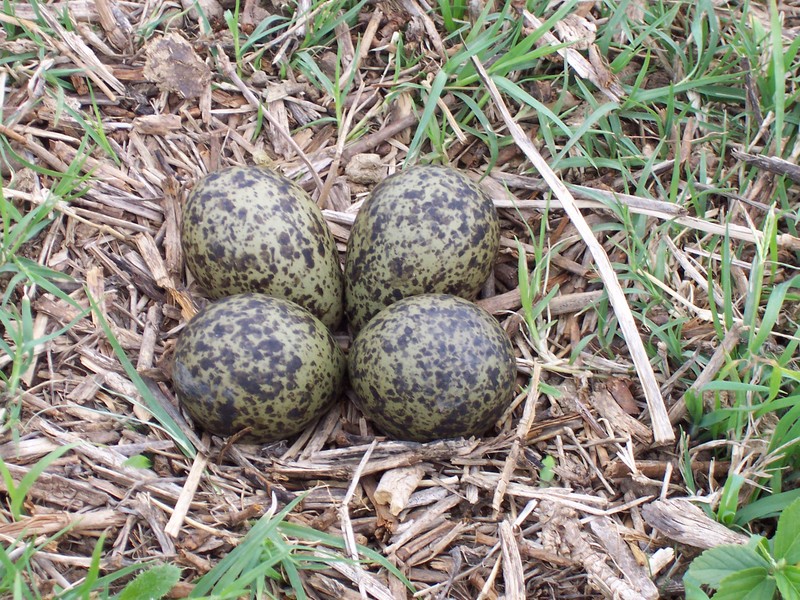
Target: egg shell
column 249, row 229
column 428, row 229
column 256, row 361
column 433, row 366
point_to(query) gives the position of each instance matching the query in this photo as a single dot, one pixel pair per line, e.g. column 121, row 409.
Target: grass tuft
column 647, row 136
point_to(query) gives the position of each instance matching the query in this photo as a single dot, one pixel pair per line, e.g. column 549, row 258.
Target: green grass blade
column 729, row 499
column 231, row 566
column 20, row 492
column 520, row 95
column 594, row 117
column 778, row 75
column 766, row 507
column 773, row 311
column 155, row 582
column 301, row 532
column 435, row 92
column 86, row 588
column 164, row 419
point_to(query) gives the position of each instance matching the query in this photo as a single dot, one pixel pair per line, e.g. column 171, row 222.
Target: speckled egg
column 428, row 229
column 248, row 229
column 258, row 362
column 433, row 366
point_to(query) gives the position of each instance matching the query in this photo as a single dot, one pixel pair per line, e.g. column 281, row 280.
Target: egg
column 432, row 366
column 428, row 229
column 255, row 362
column 249, row 229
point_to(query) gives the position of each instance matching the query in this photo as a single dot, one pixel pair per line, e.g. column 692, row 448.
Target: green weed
column 266, row 554
column 23, row 275
column 18, row 492
column 758, row 569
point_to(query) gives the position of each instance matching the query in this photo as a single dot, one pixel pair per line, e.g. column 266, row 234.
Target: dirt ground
column 573, row 493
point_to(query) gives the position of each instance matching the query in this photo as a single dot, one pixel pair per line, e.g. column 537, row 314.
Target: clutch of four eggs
column 426, row 363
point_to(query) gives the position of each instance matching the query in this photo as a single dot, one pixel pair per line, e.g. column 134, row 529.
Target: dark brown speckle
column 425, row 230
column 251, row 360
column 248, row 229
column 432, row 366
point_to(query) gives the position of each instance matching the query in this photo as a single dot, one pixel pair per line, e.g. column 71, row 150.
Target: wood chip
column 605, row 530
column 593, row 70
column 513, row 573
column 620, row 421
column 78, row 523
column 157, row 124
column 174, row 66
column 683, row 522
column 396, row 487
column 773, row 164
column 188, row 492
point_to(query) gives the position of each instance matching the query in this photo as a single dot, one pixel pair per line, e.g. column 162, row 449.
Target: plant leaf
column 788, row 580
column 547, row 472
column 151, row 584
column 435, row 92
column 19, row 494
column 246, row 555
column 729, row 500
column 767, row 506
column 692, row 589
column 138, row 461
column 747, row 584
column 310, row 534
column 714, row 565
column 787, row 535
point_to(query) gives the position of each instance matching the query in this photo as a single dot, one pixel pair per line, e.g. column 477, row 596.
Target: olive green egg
column 249, row 229
column 258, row 362
column 428, row 229
column 433, row 366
